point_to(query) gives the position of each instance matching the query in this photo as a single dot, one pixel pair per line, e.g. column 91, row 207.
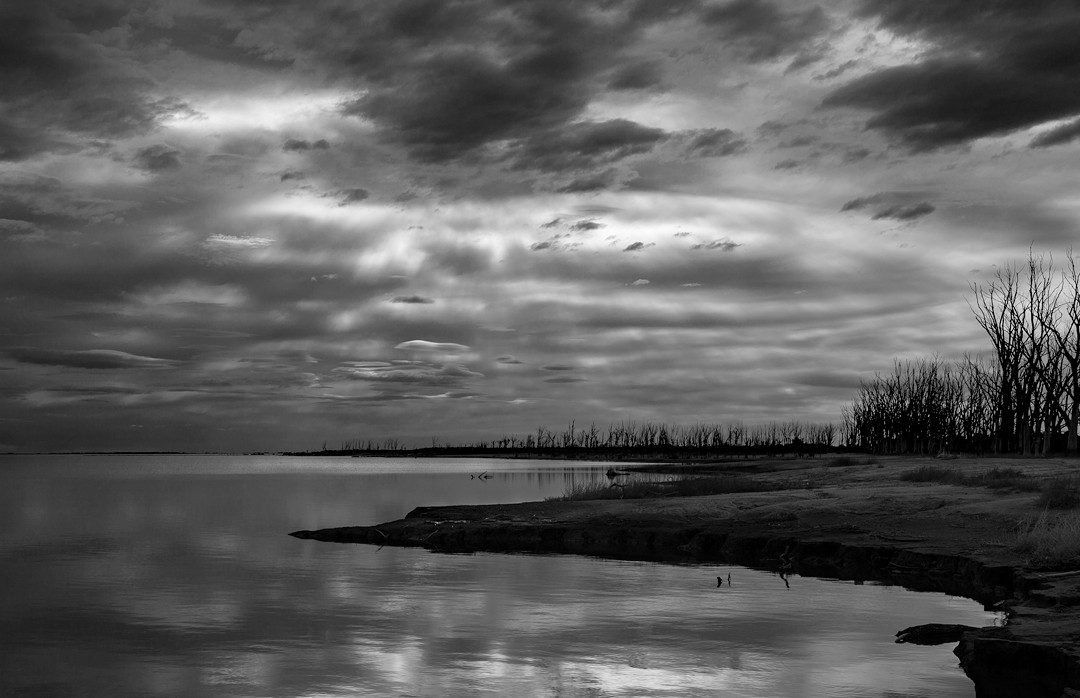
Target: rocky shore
column 852, row 522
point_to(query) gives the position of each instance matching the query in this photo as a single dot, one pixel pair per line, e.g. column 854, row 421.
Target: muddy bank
column 852, row 522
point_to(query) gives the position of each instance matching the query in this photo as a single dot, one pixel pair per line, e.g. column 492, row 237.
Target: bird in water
column 720, row 581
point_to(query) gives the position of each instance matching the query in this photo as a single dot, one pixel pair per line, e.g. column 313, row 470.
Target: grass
column 995, row 478
column 676, row 486
column 847, row 461
column 1050, row 539
column 1060, row 493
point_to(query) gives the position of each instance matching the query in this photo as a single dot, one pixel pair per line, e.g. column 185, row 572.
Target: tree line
column 1021, row 397
column 702, row 440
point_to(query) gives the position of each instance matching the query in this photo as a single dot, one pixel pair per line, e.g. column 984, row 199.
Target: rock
column 933, row 633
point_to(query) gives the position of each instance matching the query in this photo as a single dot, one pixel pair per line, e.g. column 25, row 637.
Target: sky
column 260, row 225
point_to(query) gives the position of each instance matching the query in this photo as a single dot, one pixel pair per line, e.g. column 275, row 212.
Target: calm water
column 174, row 576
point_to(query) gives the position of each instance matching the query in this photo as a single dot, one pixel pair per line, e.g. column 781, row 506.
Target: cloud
column 237, row 242
column 89, row 358
column 352, row 196
column 904, row 213
column 712, row 142
column 765, row 31
column 158, row 158
column 508, row 359
column 294, row 145
column 596, row 182
column 565, row 379
column 723, row 244
column 1059, row 135
column 64, row 87
column 991, row 70
column 558, row 367
column 586, row 145
column 641, row 282
column 586, row 225
column 635, row 247
column 640, row 75
column 415, row 300
column 424, row 345
column 891, row 205
column 410, row 372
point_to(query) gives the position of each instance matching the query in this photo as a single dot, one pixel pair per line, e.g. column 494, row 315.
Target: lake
column 174, row 576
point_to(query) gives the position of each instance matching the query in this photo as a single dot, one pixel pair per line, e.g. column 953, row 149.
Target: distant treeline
column 1024, row 397
column 633, row 440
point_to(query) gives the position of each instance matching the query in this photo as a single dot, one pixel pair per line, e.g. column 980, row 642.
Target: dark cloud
column 724, row 245
column 643, row 75
column 292, row 145
column 558, row 367
column 712, row 142
column 586, row 145
column 1066, row 133
column 765, row 31
column 837, row 71
column 158, row 158
column 634, row 247
column 63, row 85
column 415, row 300
column 286, row 176
column 565, row 379
column 994, row 69
column 893, row 205
column 352, row 196
column 461, row 76
column 446, row 105
column 599, row 181
column 586, row 225
column 89, row 358
column 508, row 359
column 904, row 213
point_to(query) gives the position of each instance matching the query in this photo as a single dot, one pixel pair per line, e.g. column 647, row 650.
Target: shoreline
column 856, row 522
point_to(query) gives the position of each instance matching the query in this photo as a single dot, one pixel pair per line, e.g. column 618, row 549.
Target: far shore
column 848, row 517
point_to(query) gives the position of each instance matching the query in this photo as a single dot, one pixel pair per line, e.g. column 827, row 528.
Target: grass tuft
column 1060, row 493
column 676, row 486
column 1050, row 539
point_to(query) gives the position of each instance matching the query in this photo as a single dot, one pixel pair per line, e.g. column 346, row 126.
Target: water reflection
column 174, row 577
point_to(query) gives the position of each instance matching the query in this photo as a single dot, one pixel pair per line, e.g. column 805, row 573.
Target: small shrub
column 1005, row 479
column 933, row 473
column 1060, row 493
column 1049, row 539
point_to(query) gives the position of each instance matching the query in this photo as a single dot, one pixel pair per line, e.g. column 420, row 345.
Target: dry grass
column 847, row 461
column 995, row 478
column 676, row 486
column 1050, row 539
column 1060, row 493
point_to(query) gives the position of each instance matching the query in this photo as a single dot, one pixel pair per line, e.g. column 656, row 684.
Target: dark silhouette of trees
column 628, row 440
column 1025, row 398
